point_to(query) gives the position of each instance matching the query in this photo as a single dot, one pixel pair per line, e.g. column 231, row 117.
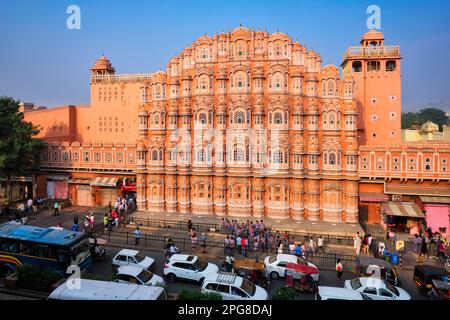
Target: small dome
column 373, row 35
column 430, row 127
column 103, row 64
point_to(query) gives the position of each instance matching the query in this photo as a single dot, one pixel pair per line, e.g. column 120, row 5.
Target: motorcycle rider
column 229, row 263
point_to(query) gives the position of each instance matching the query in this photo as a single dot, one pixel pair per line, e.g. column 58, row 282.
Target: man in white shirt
column 320, row 244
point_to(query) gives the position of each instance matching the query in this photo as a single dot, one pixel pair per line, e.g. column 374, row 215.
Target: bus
column 107, row 290
column 47, row 248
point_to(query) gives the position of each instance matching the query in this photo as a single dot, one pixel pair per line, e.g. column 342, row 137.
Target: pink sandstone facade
column 243, row 124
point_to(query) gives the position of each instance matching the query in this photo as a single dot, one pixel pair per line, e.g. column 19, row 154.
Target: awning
column 57, row 178
column 128, row 187
column 418, row 191
column 79, row 181
column 404, row 209
column 373, row 197
column 105, row 182
column 443, row 200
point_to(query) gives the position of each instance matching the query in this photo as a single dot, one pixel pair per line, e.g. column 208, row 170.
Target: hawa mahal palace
column 247, row 123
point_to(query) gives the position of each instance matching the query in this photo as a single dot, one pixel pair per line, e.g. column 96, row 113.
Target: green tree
column 19, row 150
column 434, row 115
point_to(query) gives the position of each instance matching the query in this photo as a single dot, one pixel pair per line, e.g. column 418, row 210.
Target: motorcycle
column 227, row 267
column 100, row 254
column 171, row 251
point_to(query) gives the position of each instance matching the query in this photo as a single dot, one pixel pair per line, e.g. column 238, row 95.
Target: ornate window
column 239, row 116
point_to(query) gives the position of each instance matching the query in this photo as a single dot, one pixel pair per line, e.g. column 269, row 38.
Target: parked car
column 335, row 293
column 425, row 274
column 276, row 265
column 107, row 290
column 188, row 267
column 138, row 275
column 128, row 257
column 377, row 289
column 233, row 287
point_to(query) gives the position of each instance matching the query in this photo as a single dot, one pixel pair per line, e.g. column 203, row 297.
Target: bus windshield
column 79, row 251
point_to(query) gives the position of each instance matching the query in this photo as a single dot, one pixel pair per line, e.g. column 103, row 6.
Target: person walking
column 105, row 221
column 238, row 244
column 190, row 225
column 137, row 236
column 339, row 269
column 194, row 241
column 423, row 250
column 226, row 246
column 244, row 244
column 417, row 241
column 320, row 241
column 56, row 208
column 75, row 219
column 312, row 245
column 357, row 243
column 292, row 247
column 203, row 240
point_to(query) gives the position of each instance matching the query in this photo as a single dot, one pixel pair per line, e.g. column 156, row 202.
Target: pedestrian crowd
column 115, row 216
column 429, row 244
column 245, row 237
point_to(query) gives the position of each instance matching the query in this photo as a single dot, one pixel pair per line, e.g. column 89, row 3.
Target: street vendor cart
column 302, row 278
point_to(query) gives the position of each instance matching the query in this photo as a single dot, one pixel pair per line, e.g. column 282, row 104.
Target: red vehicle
column 301, row 277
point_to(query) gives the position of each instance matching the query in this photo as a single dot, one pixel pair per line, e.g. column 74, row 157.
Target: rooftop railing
column 372, row 51
column 114, row 78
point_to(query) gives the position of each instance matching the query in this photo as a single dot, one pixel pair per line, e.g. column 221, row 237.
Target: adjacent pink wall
column 438, row 217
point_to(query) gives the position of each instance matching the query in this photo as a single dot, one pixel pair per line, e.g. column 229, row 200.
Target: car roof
column 339, row 292
column 183, row 258
column 105, row 290
column 128, row 252
column 130, row 270
column 224, row 278
column 286, row 257
column 372, row 282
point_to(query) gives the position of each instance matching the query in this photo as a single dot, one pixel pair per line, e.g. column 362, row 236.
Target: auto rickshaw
column 425, row 274
column 379, row 268
column 98, row 253
column 440, row 290
column 253, row 271
column 302, row 277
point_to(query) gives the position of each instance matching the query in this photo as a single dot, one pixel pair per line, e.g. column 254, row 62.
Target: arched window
column 155, row 155
column 238, row 154
column 391, row 65
column 332, row 159
column 201, row 157
column 240, row 79
column 278, row 157
column 156, row 118
column 239, row 116
column 278, row 118
column 357, row 66
column 202, row 118
column 332, row 119
column 203, row 83
column 331, row 86
column 277, row 81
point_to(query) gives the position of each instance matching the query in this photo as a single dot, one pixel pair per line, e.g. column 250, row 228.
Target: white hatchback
column 276, row 265
column 233, row 287
column 138, row 275
column 377, row 289
column 128, row 257
column 188, row 267
column 335, row 293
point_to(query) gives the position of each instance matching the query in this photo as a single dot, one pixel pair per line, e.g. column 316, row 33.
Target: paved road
column 11, row 297
column 327, row 278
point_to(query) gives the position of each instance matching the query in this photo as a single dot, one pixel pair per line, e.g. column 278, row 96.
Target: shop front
column 80, row 192
column 369, row 206
column 437, row 210
column 105, row 190
column 128, row 188
column 402, row 217
column 58, row 187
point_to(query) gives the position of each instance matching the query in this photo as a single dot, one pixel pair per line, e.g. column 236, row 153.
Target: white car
column 138, row 275
column 233, row 287
column 335, row 293
column 188, row 267
column 377, row 289
column 127, row 257
column 276, row 265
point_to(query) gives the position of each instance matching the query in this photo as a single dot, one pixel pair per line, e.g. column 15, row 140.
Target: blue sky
column 42, row 61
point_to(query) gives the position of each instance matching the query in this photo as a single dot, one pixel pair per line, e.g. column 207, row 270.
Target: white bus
column 107, row 290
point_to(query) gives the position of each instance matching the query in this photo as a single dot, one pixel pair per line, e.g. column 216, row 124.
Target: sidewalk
column 290, row 225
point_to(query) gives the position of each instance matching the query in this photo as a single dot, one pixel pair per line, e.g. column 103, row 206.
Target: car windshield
column 272, row 259
column 139, row 258
column 365, row 297
column 248, row 287
column 200, row 265
column 302, row 262
column 145, row 276
column 392, row 289
column 356, row 284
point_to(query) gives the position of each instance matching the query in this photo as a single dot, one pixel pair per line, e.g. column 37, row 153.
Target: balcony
column 369, row 52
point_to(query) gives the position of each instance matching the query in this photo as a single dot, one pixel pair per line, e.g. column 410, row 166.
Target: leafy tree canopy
column 434, row 115
column 19, row 150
